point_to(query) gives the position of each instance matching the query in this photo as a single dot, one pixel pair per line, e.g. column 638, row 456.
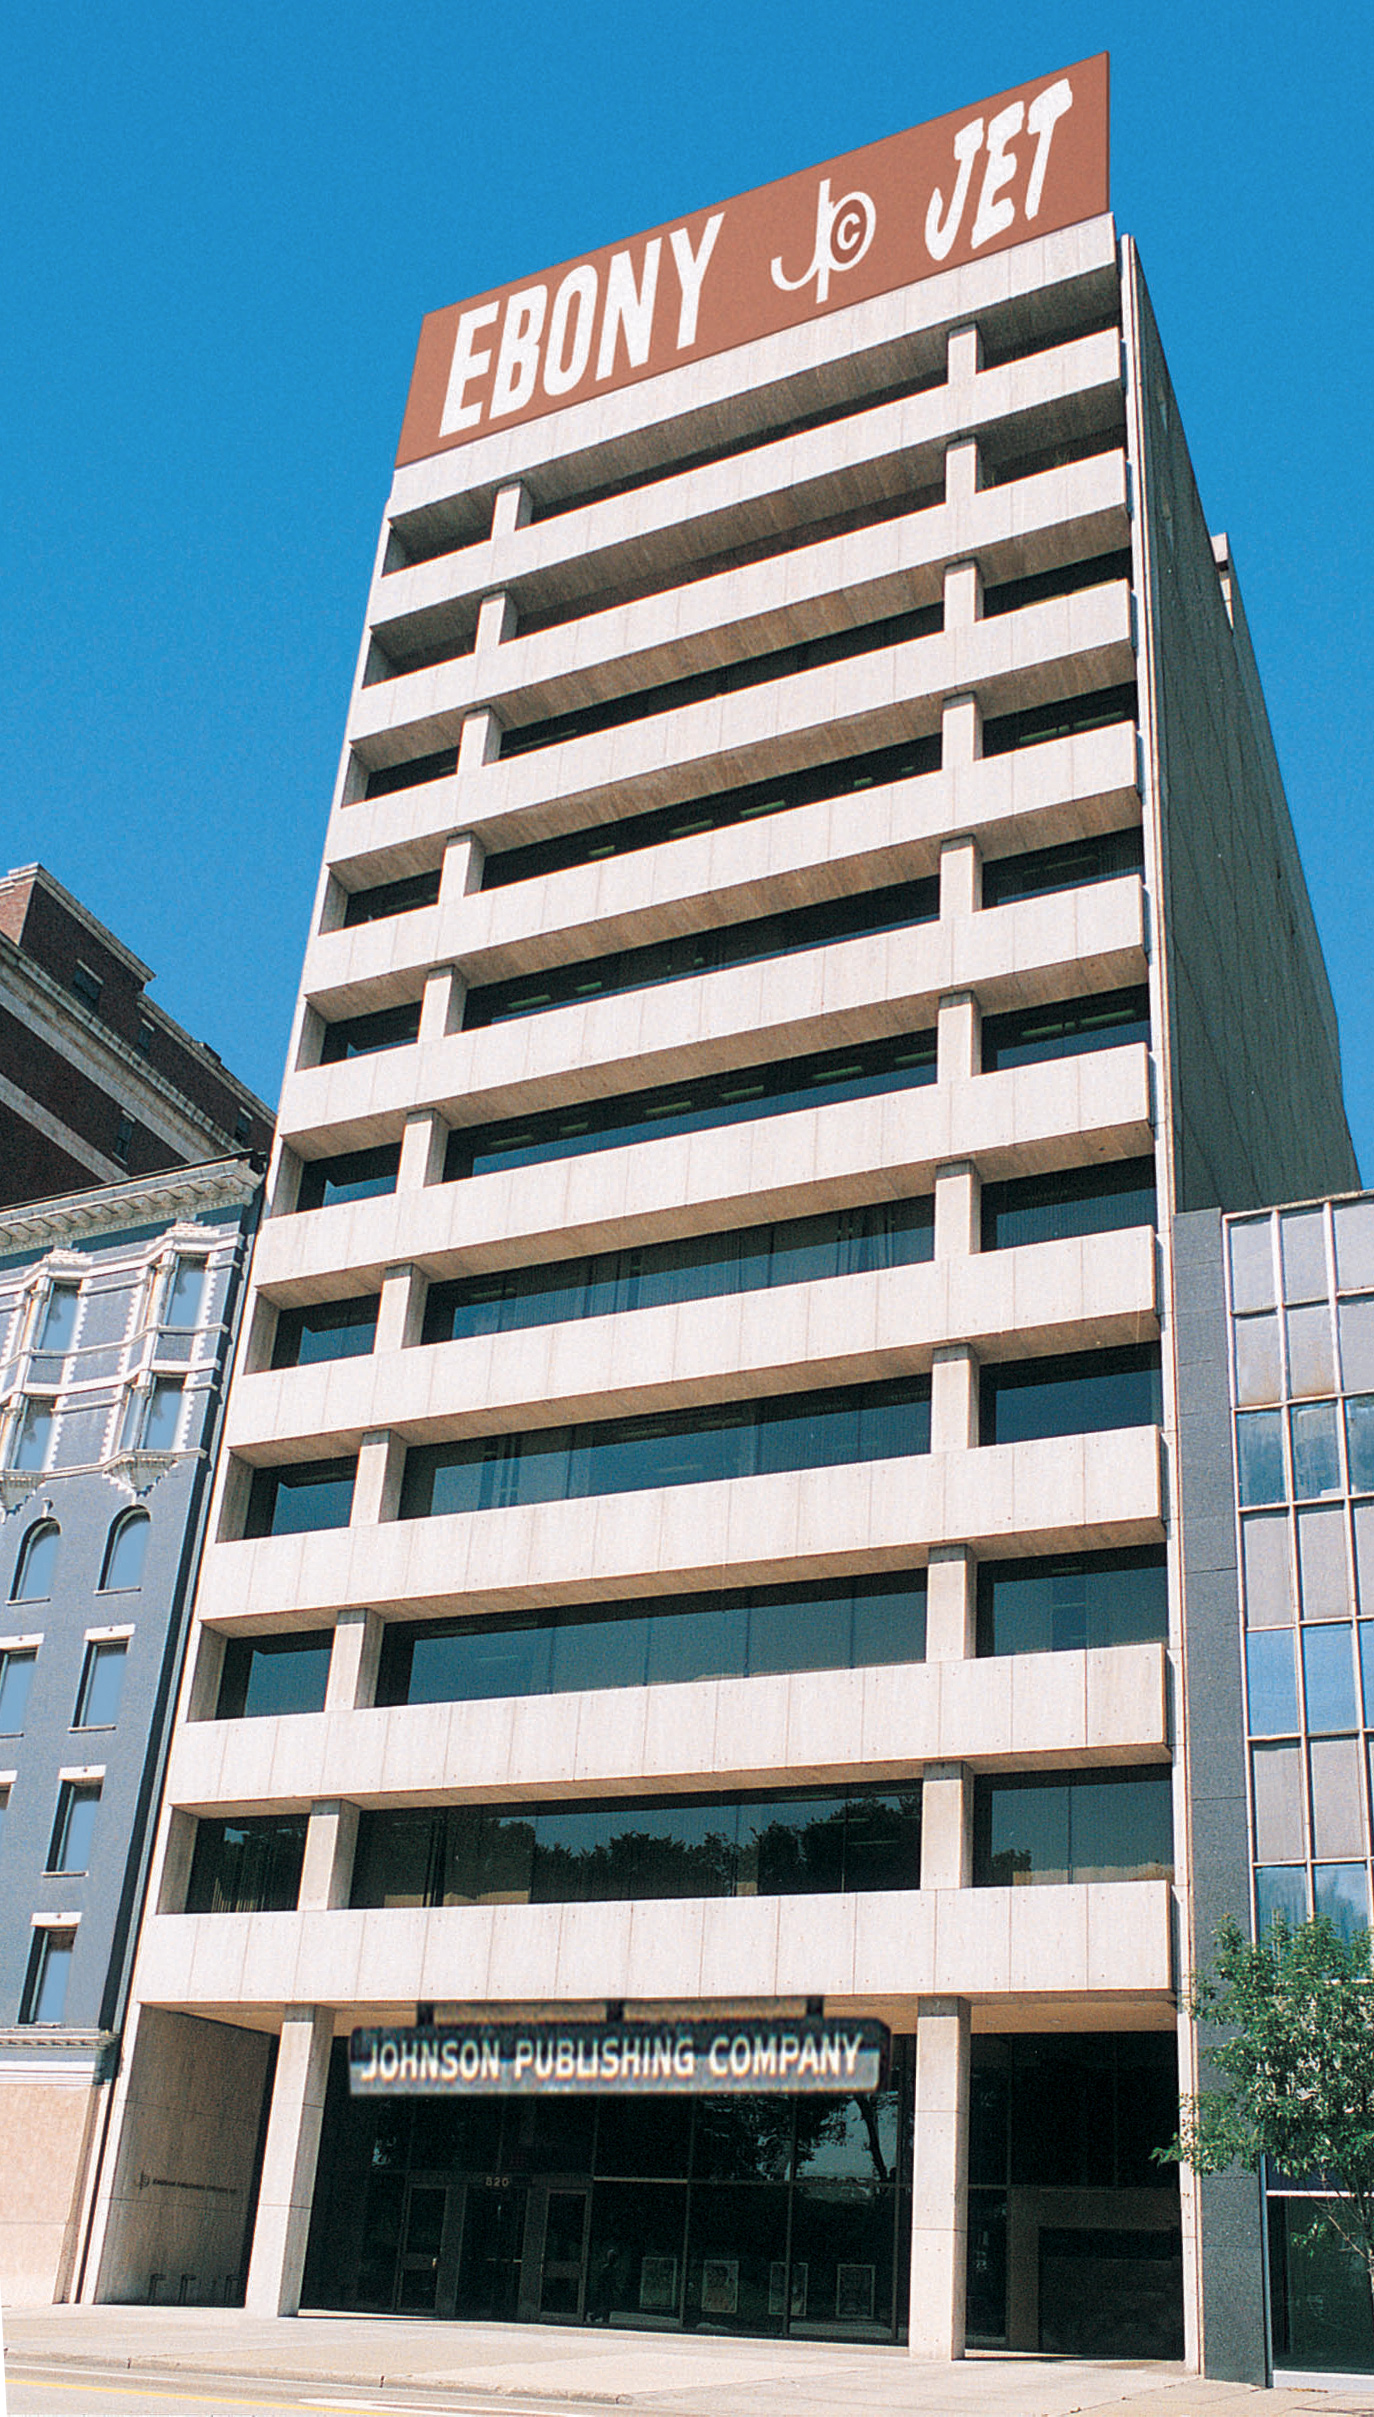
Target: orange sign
column 974, row 182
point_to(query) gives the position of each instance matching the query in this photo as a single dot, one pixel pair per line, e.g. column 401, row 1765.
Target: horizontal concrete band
column 973, row 1943
column 1024, row 1712
column 1058, row 789
column 1027, row 1121
column 833, row 583
column 674, row 518
column 1065, row 945
column 1088, row 1292
column 1049, row 1496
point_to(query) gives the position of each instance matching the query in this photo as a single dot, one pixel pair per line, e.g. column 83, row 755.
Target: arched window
column 33, row 1573
column 124, row 1549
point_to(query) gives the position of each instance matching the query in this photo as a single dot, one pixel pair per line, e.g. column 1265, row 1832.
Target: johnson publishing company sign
column 959, row 188
column 620, row 2058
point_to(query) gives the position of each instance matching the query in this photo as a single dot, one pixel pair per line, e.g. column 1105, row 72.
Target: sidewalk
column 669, row 2373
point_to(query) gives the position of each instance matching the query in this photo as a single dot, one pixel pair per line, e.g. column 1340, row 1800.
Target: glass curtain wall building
column 700, row 1532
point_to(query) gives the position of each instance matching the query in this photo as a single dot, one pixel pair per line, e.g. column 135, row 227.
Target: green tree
column 1296, row 2057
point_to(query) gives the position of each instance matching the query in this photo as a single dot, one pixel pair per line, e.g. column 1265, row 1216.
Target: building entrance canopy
column 679, row 2059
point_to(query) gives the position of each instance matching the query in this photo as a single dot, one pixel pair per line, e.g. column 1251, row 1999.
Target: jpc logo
column 844, row 231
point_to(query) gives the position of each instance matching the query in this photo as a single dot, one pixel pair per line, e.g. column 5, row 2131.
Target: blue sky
column 224, row 224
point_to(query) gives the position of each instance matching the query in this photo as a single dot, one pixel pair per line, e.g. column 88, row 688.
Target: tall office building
column 701, row 1564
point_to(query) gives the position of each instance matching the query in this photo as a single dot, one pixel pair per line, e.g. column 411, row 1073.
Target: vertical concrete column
column 424, row 1140
column 961, row 732
column 401, row 1308
column 958, row 1209
column 441, row 1009
column 480, row 740
column 288, row 2164
column 939, row 2210
column 961, row 478
column 377, row 1486
column 963, row 594
column 331, row 1834
column 352, row 1680
column 512, row 509
column 951, row 1604
column 495, row 621
column 958, row 1040
column 947, row 1825
column 953, row 1398
column 464, row 856
column 961, row 876
column 963, row 355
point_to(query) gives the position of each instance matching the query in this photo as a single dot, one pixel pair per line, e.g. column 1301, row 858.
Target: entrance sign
column 677, row 2060
column 1025, row 163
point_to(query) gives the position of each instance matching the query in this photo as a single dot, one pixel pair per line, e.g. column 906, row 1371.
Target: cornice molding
column 180, row 1192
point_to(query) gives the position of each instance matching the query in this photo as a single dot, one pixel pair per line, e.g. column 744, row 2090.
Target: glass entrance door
column 428, row 2252
column 493, row 2251
column 565, row 2237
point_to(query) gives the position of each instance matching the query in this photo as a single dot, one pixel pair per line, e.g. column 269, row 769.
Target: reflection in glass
column 1342, row 1894
column 1329, row 1677
column 1357, row 1344
column 1271, row 1683
column 1072, row 1602
column 263, row 1676
column 1115, row 1826
column 1316, row 1453
column 1259, row 1455
column 1359, row 1436
column 1086, row 1393
column 1281, row 1895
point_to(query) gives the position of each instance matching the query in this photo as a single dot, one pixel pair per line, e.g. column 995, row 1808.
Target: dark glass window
column 1083, row 1394
column 265, row 1675
column 842, row 1242
column 1073, row 1602
column 717, row 813
column 87, row 985
column 186, row 1294
column 356, row 1175
column 388, row 778
column 1066, row 1028
column 45, row 1984
column 723, row 679
column 675, row 1447
column 1093, row 1825
column 1075, row 1200
column 102, row 1679
column 391, row 898
column 69, row 1848
column 37, row 1563
column 863, row 1071
column 682, row 954
column 1073, row 866
column 1064, row 579
column 125, row 1548
column 16, row 1678
column 364, row 1035
column 325, row 1330
column 58, row 1331
column 35, row 1434
column 788, row 1844
column 249, row 1866
column 1065, row 718
column 294, row 1501
column 838, row 1624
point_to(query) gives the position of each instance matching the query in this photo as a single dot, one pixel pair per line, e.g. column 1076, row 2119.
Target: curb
column 164, row 2364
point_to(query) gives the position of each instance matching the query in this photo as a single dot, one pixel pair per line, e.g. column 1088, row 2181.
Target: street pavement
column 88, row 2361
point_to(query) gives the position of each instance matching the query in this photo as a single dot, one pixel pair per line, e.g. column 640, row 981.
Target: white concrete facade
column 610, row 583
